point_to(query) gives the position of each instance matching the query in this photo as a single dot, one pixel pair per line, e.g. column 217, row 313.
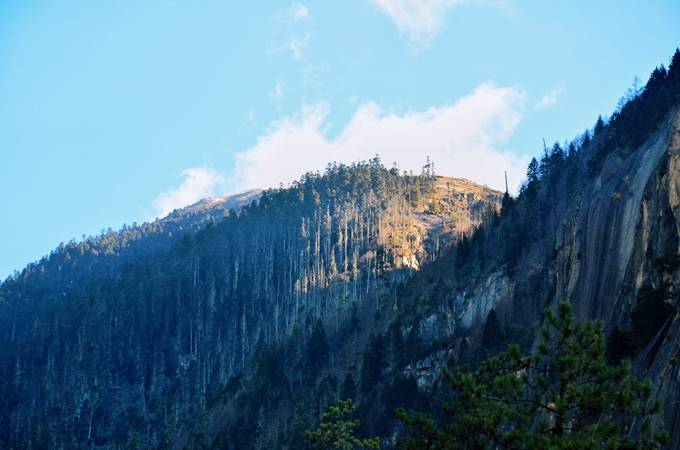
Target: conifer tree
column 599, row 126
column 562, row 396
column 336, row 430
column 532, row 171
column 674, row 69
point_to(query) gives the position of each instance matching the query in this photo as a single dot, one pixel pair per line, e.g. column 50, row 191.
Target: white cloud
column 420, row 20
column 549, row 99
column 296, row 45
column 464, row 139
column 298, row 42
column 297, row 12
column 198, row 183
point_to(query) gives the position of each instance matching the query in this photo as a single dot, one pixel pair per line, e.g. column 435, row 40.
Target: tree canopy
column 563, row 395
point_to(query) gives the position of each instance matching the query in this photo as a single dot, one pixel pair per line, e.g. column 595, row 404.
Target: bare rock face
column 428, row 370
column 474, row 305
column 623, row 239
column 615, row 235
column 618, row 240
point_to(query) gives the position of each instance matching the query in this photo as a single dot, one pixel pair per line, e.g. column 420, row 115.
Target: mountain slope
column 596, row 224
column 108, row 252
column 243, row 332
column 101, row 357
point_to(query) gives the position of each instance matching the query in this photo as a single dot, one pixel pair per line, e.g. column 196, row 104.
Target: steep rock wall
column 617, row 239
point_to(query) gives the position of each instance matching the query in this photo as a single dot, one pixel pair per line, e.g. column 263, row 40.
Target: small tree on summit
column 599, row 126
column 674, row 69
column 532, row 171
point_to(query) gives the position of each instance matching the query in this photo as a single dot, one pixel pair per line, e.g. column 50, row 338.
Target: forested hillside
column 106, row 253
column 361, row 283
column 137, row 351
column 594, row 224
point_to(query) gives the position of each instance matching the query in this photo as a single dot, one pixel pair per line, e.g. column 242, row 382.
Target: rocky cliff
column 613, row 251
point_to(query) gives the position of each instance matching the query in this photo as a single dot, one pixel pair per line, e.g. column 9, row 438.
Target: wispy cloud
column 296, row 45
column 297, row 41
column 549, row 99
column 421, row 20
column 297, row 12
column 466, row 139
column 276, row 94
column 198, row 183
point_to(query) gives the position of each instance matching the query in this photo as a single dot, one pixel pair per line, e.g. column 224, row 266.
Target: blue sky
column 113, row 112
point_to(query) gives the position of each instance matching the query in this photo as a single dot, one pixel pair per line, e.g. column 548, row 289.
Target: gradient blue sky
column 117, row 111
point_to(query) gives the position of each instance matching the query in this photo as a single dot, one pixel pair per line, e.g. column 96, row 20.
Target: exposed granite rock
column 476, row 302
column 620, row 236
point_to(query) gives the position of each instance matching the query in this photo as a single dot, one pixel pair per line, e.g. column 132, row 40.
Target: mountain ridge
column 321, row 248
column 360, row 283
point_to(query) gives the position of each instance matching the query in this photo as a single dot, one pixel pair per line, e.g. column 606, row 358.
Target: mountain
column 105, row 337
column 596, row 224
column 108, row 252
column 359, row 283
column 212, row 207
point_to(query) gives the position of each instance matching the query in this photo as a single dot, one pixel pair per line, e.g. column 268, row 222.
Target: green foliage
column 176, row 307
column 564, row 395
column 336, row 430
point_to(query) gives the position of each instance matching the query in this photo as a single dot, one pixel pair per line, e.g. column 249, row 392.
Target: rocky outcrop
column 624, row 239
column 414, row 234
column 474, row 304
column 617, row 241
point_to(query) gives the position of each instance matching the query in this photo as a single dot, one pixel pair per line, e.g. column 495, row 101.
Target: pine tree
column 557, row 156
column 585, row 140
column 562, row 396
column 336, row 430
column 532, row 171
column 599, row 126
column 674, row 70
